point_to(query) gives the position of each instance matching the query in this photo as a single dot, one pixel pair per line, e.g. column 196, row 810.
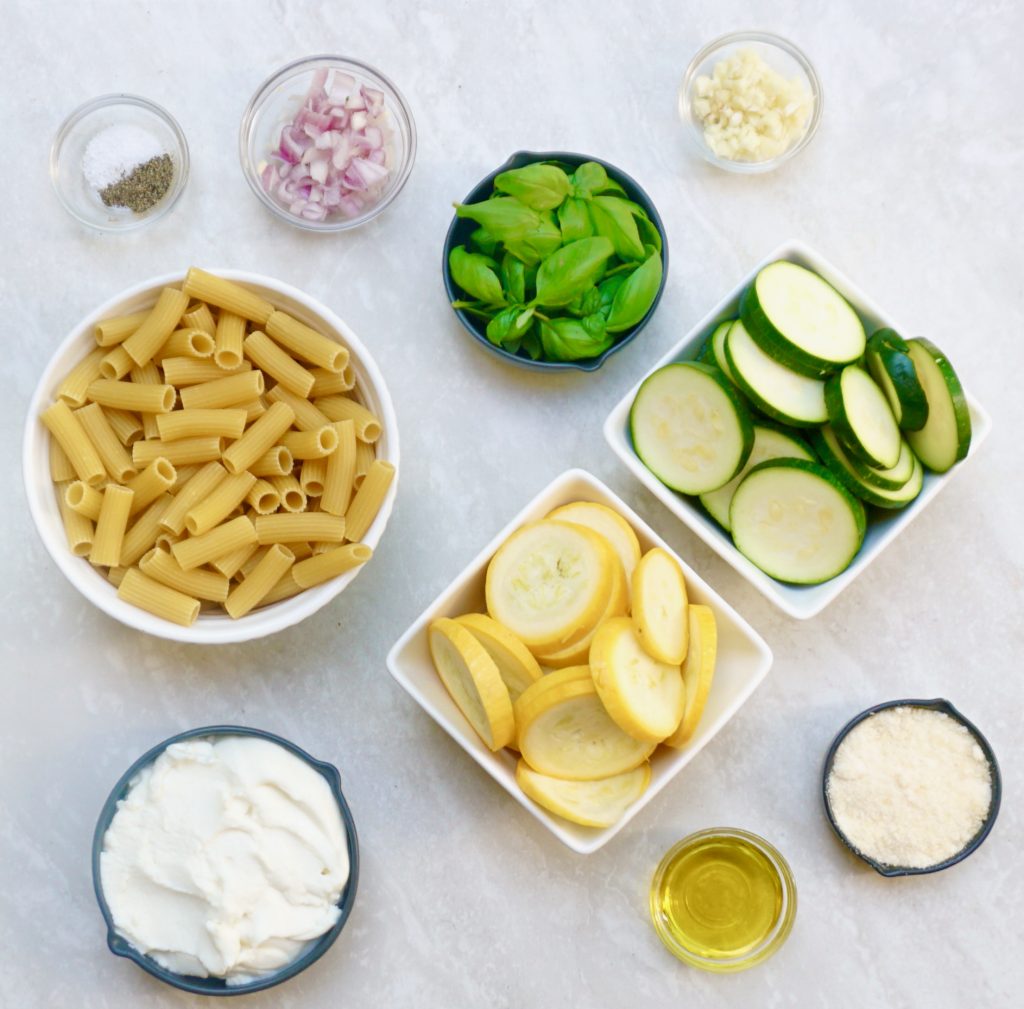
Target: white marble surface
column 912, row 187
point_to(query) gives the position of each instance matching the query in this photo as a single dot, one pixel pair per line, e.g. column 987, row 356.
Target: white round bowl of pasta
column 211, row 457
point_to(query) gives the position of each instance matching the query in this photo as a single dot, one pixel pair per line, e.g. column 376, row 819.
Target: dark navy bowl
column 938, row 704
column 213, row 985
column 461, row 228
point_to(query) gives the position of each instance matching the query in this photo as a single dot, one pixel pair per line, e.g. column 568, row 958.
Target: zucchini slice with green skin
column 886, row 479
column 832, row 453
column 796, row 521
column 690, row 427
column 717, row 353
column 777, row 391
column 862, row 417
column 769, row 443
column 946, row 436
column 888, row 359
column 801, row 320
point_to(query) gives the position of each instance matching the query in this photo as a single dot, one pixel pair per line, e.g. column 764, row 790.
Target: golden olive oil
column 718, row 896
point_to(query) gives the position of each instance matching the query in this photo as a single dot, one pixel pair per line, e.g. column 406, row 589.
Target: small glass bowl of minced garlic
column 750, row 101
column 119, row 162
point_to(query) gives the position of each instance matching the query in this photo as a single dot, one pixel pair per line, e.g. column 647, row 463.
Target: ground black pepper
column 143, row 187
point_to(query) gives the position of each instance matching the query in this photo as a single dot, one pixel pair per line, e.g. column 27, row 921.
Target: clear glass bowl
column 783, row 57
column 79, row 198
column 275, row 104
column 772, row 942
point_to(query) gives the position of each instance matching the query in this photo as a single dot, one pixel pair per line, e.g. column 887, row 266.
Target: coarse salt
column 115, row 151
column 909, row 787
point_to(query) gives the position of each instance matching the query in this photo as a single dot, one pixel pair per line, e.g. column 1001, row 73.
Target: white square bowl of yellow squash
column 743, row 659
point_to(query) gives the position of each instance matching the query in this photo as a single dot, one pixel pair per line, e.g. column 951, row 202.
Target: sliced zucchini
column 574, row 655
column 862, row 417
column 801, row 320
column 605, row 522
column 886, row 479
column 796, row 521
column 473, row 681
column 716, row 348
column 549, row 583
column 690, row 427
column 769, row 443
column 698, row 672
column 644, row 696
column 600, row 803
column 835, row 456
column 946, row 436
column 773, row 388
column 888, row 359
column 566, row 732
column 659, row 607
column 518, row 668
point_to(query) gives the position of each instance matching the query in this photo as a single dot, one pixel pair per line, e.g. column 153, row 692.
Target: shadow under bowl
column 213, row 985
column 461, row 228
column 936, row 704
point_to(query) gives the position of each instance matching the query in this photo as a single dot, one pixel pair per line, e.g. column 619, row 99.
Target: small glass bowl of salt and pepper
column 119, row 162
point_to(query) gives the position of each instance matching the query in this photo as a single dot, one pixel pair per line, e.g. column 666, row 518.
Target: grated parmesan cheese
column 749, row 111
column 910, row 787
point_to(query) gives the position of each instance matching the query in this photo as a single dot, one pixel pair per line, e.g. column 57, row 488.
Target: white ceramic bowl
column 209, row 628
column 802, row 602
column 743, row 661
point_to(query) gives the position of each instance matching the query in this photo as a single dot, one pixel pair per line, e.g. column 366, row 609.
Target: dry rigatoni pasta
column 227, row 295
column 116, row 459
column 226, row 423
column 111, row 526
column 160, row 600
column 157, row 326
column 278, row 364
column 179, row 475
column 71, row 436
column 368, row 499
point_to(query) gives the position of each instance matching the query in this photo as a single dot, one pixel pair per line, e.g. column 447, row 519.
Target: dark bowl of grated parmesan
column 119, row 162
column 911, row 787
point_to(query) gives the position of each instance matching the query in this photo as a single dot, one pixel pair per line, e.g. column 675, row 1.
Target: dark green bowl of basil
column 555, row 261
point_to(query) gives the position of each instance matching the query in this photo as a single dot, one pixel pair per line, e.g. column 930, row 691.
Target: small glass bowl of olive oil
column 723, row 899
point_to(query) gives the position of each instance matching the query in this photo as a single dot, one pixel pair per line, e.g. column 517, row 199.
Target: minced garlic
column 749, row 111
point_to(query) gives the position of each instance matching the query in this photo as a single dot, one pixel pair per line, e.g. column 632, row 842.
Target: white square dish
column 806, row 601
column 743, row 661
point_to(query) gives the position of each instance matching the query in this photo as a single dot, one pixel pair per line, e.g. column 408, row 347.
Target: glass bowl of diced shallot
column 750, row 101
column 327, row 143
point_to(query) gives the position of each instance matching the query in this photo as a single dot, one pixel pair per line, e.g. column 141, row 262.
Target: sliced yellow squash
column 578, row 654
column 698, row 671
column 643, row 696
column 549, row 583
column 659, row 606
column 609, row 524
column 472, row 678
column 598, row 803
column 518, row 668
column 564, row 731
column 555, row 679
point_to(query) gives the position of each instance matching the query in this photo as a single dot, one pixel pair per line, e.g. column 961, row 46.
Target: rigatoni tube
column 259, row 439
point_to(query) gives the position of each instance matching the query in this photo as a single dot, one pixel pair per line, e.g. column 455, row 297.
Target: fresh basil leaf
column 574, row 220
column 540, row 186
column 513, row 278
column 476, row 275
column 537, row 243
column 607, row 290
column 636, row 294
column 586, row 303
column 589, row 178
column 569, row 340
column 531, row 344
column 504, row 218
column 572, row 269
column 613, row 219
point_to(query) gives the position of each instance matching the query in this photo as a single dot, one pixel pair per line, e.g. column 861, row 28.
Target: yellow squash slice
column 643, row 696
column 659, row 607
column 578, row 654
column 598, row 803
column 698, row 671
column 564, row 731
column 608, row 523
column 518, row 668
column 549, row 583
column 471, row 677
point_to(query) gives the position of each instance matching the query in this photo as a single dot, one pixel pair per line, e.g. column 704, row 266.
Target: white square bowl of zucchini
column 741, row 663
column 795, row 431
